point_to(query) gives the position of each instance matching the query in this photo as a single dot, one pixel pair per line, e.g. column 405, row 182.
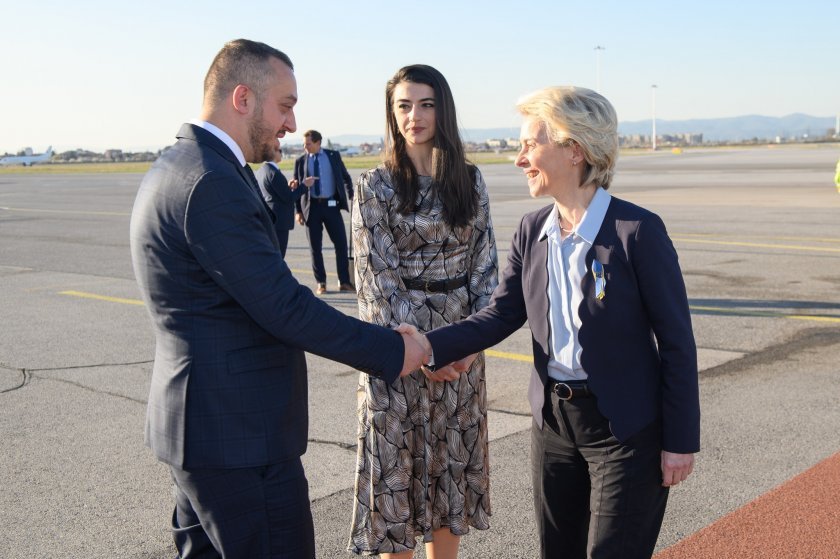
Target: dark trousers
column 595, row 497
column 283, row 238
column 245, row 513
column 323, row 217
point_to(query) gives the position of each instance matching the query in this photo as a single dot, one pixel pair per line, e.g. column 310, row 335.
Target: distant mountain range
column 736, row 129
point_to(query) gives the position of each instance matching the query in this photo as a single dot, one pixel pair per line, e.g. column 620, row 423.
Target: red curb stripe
column 798, row 519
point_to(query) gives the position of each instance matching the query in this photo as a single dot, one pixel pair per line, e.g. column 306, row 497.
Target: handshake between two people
column 418, row 354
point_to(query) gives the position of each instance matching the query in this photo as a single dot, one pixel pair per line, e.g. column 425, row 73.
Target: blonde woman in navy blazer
column 613, row 390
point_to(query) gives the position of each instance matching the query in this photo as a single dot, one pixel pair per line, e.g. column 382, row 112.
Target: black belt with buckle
column 435, row 286
column 320, row 201
column 566, row 390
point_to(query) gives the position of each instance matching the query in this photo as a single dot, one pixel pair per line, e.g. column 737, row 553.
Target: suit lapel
column 197, row 133
column 205, row 138
column 539, row 258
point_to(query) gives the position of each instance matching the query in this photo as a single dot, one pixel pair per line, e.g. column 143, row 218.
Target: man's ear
column 243, row 99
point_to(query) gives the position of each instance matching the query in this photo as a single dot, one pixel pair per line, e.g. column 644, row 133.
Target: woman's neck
column 421, row 157
column 572, row 206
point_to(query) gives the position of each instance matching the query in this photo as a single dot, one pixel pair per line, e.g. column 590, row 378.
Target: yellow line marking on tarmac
column 102, row 297
column 755, row 245
column 309, row 271
column 79, row 212
column 506, row 355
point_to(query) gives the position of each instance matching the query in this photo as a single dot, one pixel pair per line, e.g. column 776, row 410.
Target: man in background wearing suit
column 227, row 404
column 280, row 197
column 329, row 186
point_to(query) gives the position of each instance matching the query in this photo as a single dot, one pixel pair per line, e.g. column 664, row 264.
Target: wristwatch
column 430, row 365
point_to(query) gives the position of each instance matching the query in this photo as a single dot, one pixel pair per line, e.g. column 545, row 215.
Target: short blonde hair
column 582, row 115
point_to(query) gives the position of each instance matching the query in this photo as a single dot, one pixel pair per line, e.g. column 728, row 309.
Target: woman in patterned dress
column 426, row 256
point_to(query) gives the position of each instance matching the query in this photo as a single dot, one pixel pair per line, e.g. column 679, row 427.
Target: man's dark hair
column 241, row 62
column 313, row 135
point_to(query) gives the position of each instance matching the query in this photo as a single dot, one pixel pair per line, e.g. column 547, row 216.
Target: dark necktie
column 316, row 172
column 253, row 177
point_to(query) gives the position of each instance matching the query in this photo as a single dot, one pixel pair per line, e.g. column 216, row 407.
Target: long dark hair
column 452, row 176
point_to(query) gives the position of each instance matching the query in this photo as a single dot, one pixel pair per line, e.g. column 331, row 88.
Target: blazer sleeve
column 502, row 317
column 280, row 186
column 225, row 231
column 664, row 297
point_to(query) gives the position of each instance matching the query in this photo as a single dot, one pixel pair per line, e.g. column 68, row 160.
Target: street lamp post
column 653, row 116
column 598, row 50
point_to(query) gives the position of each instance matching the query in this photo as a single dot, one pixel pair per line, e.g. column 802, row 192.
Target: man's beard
column 261, row 149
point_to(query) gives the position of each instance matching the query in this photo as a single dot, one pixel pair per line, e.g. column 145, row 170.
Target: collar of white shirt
column 589, row 225
column 223, row 136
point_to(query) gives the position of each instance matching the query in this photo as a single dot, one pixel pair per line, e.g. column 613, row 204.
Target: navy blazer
column 277, row 194
column 229, row 386
column 342, row 179
column 637, row 342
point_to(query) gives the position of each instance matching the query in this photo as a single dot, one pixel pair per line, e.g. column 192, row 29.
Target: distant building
column 634, row 141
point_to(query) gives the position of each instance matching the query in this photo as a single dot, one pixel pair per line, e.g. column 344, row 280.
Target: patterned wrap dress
column 422, row 449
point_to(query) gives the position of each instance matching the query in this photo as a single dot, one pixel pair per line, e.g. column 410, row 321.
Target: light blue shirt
column 223, row 136
column 326, row 177
column 566, row 268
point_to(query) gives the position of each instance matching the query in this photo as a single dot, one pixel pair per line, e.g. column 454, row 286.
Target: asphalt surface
column 758, row 234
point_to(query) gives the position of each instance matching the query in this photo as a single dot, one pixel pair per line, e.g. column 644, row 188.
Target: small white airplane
column 29, row 159
column 350, row 151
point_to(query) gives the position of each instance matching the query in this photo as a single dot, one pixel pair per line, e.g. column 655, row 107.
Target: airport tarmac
column 758, row 234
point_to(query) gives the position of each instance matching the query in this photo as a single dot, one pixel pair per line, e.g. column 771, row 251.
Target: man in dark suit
column 329, row 187
column 227, row 405
column 614, row 390
column 280, row 197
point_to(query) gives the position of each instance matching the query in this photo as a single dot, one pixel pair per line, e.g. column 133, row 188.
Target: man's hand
column 415, row 354
column 299, row 217
column 309, row 181
column 449, row 372
column 409, row 330
column 293, row 184
column 676, row 467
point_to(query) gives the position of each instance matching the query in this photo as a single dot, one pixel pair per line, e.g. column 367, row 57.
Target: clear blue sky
column 97, row 75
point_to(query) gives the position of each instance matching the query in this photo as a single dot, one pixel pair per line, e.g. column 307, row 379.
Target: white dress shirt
column 223, row 136
column 566, row 268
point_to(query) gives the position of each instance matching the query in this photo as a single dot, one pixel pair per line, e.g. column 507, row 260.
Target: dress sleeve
column 484, row 264
column 383, row 298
